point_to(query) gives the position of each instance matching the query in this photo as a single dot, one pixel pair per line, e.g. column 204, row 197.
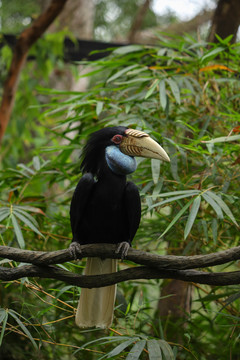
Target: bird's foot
column 122, row 249
column 75, row 250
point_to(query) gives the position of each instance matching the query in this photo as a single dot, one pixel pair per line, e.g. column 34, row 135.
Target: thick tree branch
column 25, row 41
column 137, row 256
column 141, row 272
column 158, row 267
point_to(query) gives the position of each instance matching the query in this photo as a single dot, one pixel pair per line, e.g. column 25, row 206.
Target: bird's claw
column 75, row 250
column 122, row 249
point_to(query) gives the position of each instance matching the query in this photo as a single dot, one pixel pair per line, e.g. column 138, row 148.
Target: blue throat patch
column 118, row 162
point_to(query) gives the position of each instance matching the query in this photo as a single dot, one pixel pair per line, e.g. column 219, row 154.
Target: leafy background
column 186, row 95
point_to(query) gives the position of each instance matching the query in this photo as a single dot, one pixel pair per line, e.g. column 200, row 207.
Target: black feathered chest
column 105, row 215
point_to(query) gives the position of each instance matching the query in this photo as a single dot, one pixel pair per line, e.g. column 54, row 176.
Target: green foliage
column 115, row 17
column 15, row 16
column 45, row 58
column 186, row 96
column 13, row 213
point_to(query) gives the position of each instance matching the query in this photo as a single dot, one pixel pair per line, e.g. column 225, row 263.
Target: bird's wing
column 133, row 207
column 79, row 201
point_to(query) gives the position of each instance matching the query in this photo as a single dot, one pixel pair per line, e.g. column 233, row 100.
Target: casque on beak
column 138, row 143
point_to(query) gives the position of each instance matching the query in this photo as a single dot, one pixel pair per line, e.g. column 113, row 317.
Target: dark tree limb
column 27, row 38
column 137, row 256
column 159, row 267
column 141, row 272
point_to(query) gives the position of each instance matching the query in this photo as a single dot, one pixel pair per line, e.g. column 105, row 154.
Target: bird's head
column 117, row 146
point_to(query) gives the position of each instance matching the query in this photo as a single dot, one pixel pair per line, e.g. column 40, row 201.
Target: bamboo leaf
column 214, row 230
column 180, row 192
column 223, row 206
column 224, row 41
column 232, row 298
column 120, row 348
column 3, row 320
column 23, row 327
column 170, row 200
column 205, row 228
column 174, row 168
column 175, row 89
column 109, row 339
column 166, row 350
column 99, row 107
column 157, row 189
column 27, row 222
column 18, row 232
column 136, row 350
column 222, row 139
column 127, row 108
column 179, row 214
column 192, row 216
column 29, row 208
column 212, row 53
column 30, row 217
column 214, row 205
column 2, row 314
column 152, row 88
column 163, row 94
column 121, row 72
column 4, row 208
column 36, row 163
column 24, row 167
column 155, row 165
column 128, row 49
column 154, row 350
column 4, row 213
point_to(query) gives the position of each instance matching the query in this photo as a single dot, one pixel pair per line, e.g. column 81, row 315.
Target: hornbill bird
column 105, row 208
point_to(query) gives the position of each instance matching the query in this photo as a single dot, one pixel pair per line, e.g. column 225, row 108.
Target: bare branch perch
column 141, row 272
column 137, row 256
column 158, row 267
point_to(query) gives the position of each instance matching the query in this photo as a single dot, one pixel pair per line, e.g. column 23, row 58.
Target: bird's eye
column 117, row 139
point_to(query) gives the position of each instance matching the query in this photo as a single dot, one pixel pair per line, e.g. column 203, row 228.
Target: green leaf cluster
column 186, row 96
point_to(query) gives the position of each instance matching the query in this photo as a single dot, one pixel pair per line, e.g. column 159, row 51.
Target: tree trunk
column 174, row 306
column 226, row 20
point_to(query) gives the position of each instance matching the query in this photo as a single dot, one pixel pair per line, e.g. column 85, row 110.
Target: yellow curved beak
column 138, row 143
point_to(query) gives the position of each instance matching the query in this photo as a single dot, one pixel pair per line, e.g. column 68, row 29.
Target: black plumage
column 105, row 208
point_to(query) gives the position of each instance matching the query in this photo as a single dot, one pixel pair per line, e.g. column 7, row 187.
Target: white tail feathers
column 96, row 306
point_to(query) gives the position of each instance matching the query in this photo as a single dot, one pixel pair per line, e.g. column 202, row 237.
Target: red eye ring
column 117, row 139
